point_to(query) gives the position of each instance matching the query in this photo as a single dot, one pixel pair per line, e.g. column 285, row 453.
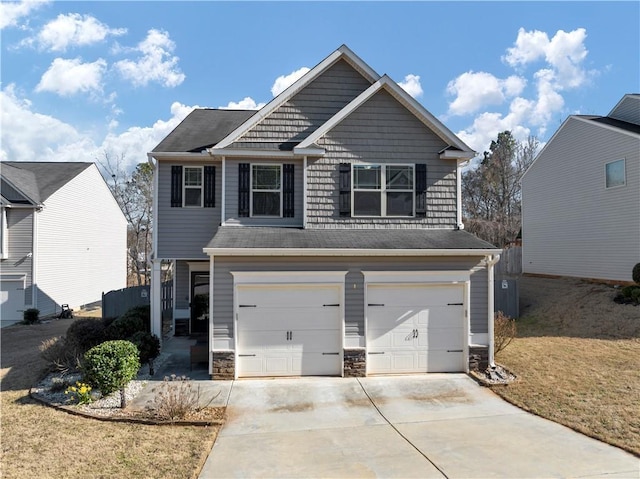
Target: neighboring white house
column 581, row 198
column 64, row 238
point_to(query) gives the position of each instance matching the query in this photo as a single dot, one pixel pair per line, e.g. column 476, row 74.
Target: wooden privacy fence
column 507, row 278
column 116, row 303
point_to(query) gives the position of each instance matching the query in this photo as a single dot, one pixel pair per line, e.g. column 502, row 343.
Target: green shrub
column 111, row 365
column 627, row 291
column 31, row 315
column 635, row 273
column 85, row 333
column 142, row 312
column 148, row 346
column 125, row 326
column 635, row 295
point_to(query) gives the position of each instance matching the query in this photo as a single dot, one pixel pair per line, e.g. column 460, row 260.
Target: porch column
column 211, row 324
column 491, row 261
column 156, row 298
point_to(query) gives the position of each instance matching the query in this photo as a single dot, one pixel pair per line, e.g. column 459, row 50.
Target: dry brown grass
column 577, row 358
column 38, row 441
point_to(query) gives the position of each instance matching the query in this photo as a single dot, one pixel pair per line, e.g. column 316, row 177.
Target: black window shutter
column 345, row 189
column 288, row 210
column 209, row 186
column 176, row 186
column 244, row 191
column 421, row 189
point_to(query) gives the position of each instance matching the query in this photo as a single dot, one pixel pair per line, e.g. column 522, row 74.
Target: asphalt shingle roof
column 202, row 128
column 374, row 239
column 40, row 179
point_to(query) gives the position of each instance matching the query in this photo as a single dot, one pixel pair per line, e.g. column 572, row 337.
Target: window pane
column 615, row 173
column 193, row 197
column 192, row 177
column 367, row 203
column 266, row 204
column 399, row 177
column 399, row 204
column 266, row 177
column 366, row 177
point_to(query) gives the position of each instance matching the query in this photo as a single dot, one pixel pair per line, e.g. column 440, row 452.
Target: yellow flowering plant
column 81, row 393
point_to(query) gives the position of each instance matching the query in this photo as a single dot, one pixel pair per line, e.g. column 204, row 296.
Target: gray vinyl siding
column 231, row 209
column 354, row 283
column 183, row 232
column 182, row 285
column 307, row 110
column 381, row 131
column 20, row 245
column 628, row 110
column 479, row 296
column 572, row 224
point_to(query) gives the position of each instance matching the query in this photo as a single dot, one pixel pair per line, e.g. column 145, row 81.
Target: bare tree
column 133, row 192
column 491, row 192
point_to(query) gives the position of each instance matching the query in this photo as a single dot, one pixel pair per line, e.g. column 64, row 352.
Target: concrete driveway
column 428, row 426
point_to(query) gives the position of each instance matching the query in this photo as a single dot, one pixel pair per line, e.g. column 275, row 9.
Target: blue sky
column 82, row 78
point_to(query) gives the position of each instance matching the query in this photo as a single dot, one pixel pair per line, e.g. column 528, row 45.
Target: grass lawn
column 39, row 441
column 577, row 357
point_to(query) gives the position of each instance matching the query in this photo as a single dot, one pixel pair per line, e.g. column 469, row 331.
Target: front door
column 199, row 302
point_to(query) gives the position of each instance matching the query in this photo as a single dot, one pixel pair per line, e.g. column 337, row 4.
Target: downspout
column 304, row 192
column 491, row 260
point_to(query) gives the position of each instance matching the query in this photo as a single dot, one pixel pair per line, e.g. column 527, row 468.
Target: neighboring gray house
column 581, row 198
column 322, row 234
column 64, row 238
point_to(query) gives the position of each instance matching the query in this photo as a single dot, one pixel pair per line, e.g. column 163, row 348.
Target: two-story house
column 322, row 234
column 63, row 238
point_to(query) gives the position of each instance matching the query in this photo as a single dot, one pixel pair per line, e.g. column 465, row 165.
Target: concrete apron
column 430, row 426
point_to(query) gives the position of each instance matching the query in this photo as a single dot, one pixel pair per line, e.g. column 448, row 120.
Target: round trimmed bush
column 635, row 295
column 31, row 315
column 125, row 326
column 85, row 333
column 111, row 365
column 635, row 273
column 627, row 291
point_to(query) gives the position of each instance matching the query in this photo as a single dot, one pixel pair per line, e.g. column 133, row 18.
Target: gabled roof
column 39, row 180
column 245, row 241
column 18, row 185
column 387, row 84
column 201, row 129
column 342, row 53
column 627, row 109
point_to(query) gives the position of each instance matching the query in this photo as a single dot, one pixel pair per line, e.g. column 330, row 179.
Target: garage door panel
column 315, row 341
column 283, row 319
column 444, row 362
column 294, row 296
column 410, row 295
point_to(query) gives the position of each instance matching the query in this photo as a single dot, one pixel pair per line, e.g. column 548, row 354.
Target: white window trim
column 624, row 181
column 4, row 233
column 279, row 191
column 383, row 190
column 191, row 187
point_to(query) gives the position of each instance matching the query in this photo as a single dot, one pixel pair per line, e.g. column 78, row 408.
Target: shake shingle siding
column 354, row 283
column 307, row 110
column 381, row 131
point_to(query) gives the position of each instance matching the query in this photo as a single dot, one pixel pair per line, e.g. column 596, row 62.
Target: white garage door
column 11, row 302
column 289, row 330
column 415, row 328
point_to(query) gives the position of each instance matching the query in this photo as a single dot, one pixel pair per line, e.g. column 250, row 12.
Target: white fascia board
column 342, row 52
column 178, row 154
column 250, row 153
column 457, row 155
column 310, row 151
column 608, row 127
column 346, row 252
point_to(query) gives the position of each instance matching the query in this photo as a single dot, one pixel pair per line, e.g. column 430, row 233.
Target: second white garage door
column 11, row 302
column 289, row 330
column 415, row 328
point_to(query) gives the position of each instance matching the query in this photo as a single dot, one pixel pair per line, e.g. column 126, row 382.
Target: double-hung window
column 193, row 186
column 383, row 190
column 266, row 190
column 615, row 174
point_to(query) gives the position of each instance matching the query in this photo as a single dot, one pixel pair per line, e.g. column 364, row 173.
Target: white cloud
column 475, row 90
column 156, row 63
column 284, row 81
column 247, row 103
column 68, row 77
column 529, row 47
column 11, row 12
column 411, row 85
column 72, row 29
column 30, row 136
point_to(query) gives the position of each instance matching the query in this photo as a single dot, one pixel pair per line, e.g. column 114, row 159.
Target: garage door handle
column 330, row 354
column 377, row 352
column 337, row 304
column 454, row 350
column 455, row 304
column 246, row 305
column 375, row 304
column 246, row 355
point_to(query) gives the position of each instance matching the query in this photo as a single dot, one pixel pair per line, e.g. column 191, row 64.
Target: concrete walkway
column 428, row 426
